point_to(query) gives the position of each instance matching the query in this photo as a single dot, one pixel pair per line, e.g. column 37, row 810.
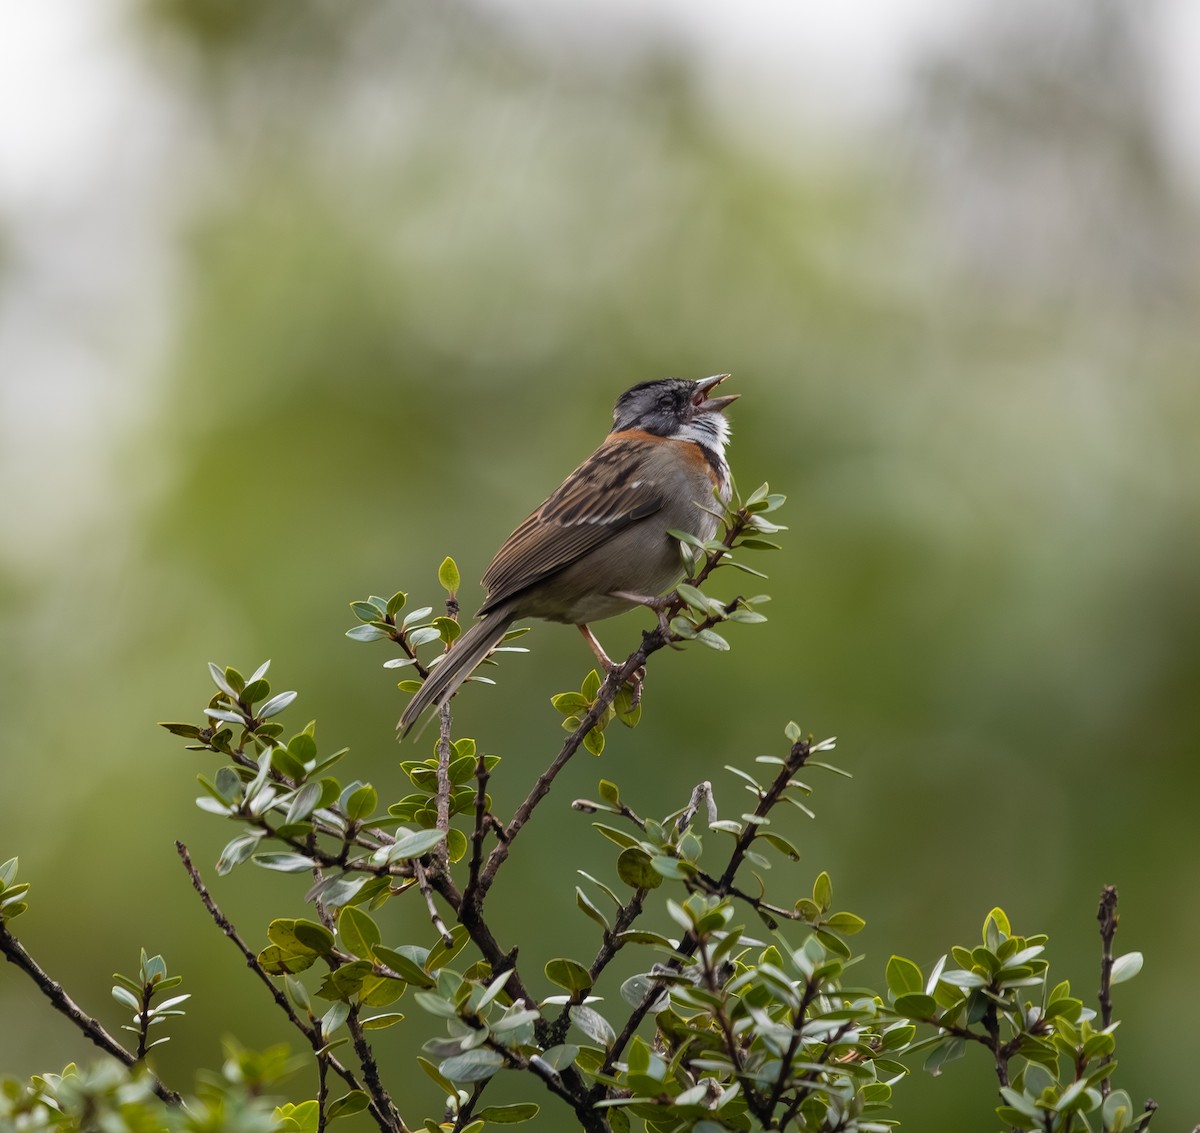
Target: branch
column 797, row 757
column 381, row 1102
column 481, row 828
column 590, row 1119
column 1109, row 919
column 65, row 1005
column 652, row 642
column 311, row 1033
column 427, row 892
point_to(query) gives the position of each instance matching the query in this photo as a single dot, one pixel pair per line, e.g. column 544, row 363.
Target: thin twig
column 427, row 892
column 380, row 1098
column 322, row 1091
column 65, row 1005
column 1109, row 919
column 566, row 1084
column 481, row 828
column 1148, row 1111
column 445, row 752
column 311, row 1033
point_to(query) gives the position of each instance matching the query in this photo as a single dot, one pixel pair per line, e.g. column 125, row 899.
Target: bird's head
column 678, row 408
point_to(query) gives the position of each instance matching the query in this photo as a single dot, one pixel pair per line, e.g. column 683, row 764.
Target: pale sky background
column 92, row 149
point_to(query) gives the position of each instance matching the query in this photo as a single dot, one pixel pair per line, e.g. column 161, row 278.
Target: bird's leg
column 605, row 661
column 659, row 605
column 607, row 664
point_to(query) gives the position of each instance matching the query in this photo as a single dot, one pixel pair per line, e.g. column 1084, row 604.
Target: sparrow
column 599, row 545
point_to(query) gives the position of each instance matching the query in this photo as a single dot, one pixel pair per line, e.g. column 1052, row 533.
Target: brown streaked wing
column 602, row 496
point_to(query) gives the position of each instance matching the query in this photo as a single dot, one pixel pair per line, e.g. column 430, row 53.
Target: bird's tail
column 456, row 666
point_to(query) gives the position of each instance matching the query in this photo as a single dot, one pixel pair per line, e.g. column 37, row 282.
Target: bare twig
column 567, row 1085
column 427, row 892
column 311, row 1033
column 322, row 1091
column 381, row 1100
column 65, row 1005
column 1109, row 919
column 481, row 828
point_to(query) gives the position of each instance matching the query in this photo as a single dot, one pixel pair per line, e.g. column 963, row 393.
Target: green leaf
column 187, row 731
column 456, row 844
column 275, row 705
column 222, row 681
column 712, row 640
column 448, row 576
column 946, row 1051
column 916, row 1005
column 396, row 603
column 571, row 703
column 362, row 803
column 849, row 923
column 423, row 636
column 366, row 633
column 364, row 611
column 568, row 974
column 302, row 1118
column 1125, row 967
column 304, row 802
column 629, row 713
column 610, row 793
column 903, row 977
column 354, row 1102
column 408, row 964
column 509, row 1114
column 593, row 1024
column 283, row 862
column 614, row 835
column 560, row 1057
column 634, row 867
column 1117, row 1111
column 585, row 903
column 780, row 843
column 823, row 892
column 693, row 597
column 473, row 1066
column 594, row 741
column 591, row 685
column 743, row 568
column 448, row 629
column 442, row 953
column 358, row 931
column 414, row 845
column 995, row 926
column 312, row 935
column 443, row 1083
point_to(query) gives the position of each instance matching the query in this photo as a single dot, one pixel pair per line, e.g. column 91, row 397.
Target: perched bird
column 599, row 545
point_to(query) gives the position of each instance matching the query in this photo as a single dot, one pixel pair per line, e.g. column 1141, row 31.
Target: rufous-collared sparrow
column 599, row 545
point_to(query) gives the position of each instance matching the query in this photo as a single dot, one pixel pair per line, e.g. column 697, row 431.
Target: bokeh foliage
column 421, row 253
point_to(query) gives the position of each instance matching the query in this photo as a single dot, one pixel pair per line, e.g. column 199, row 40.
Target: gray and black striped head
column 677, row 408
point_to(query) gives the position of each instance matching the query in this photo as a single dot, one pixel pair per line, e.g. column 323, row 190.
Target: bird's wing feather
column 613, row 488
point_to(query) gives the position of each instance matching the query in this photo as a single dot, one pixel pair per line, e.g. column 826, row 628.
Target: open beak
column 704, row 388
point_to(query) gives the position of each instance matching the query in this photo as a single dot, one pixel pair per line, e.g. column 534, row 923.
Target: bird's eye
column 666, row 401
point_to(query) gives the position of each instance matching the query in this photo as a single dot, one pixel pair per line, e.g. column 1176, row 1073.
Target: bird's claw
column 635, row 682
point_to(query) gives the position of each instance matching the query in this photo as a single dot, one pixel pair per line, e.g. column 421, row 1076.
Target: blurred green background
column 297, row 298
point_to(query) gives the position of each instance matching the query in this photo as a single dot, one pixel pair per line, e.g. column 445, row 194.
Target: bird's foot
column 635, row 682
